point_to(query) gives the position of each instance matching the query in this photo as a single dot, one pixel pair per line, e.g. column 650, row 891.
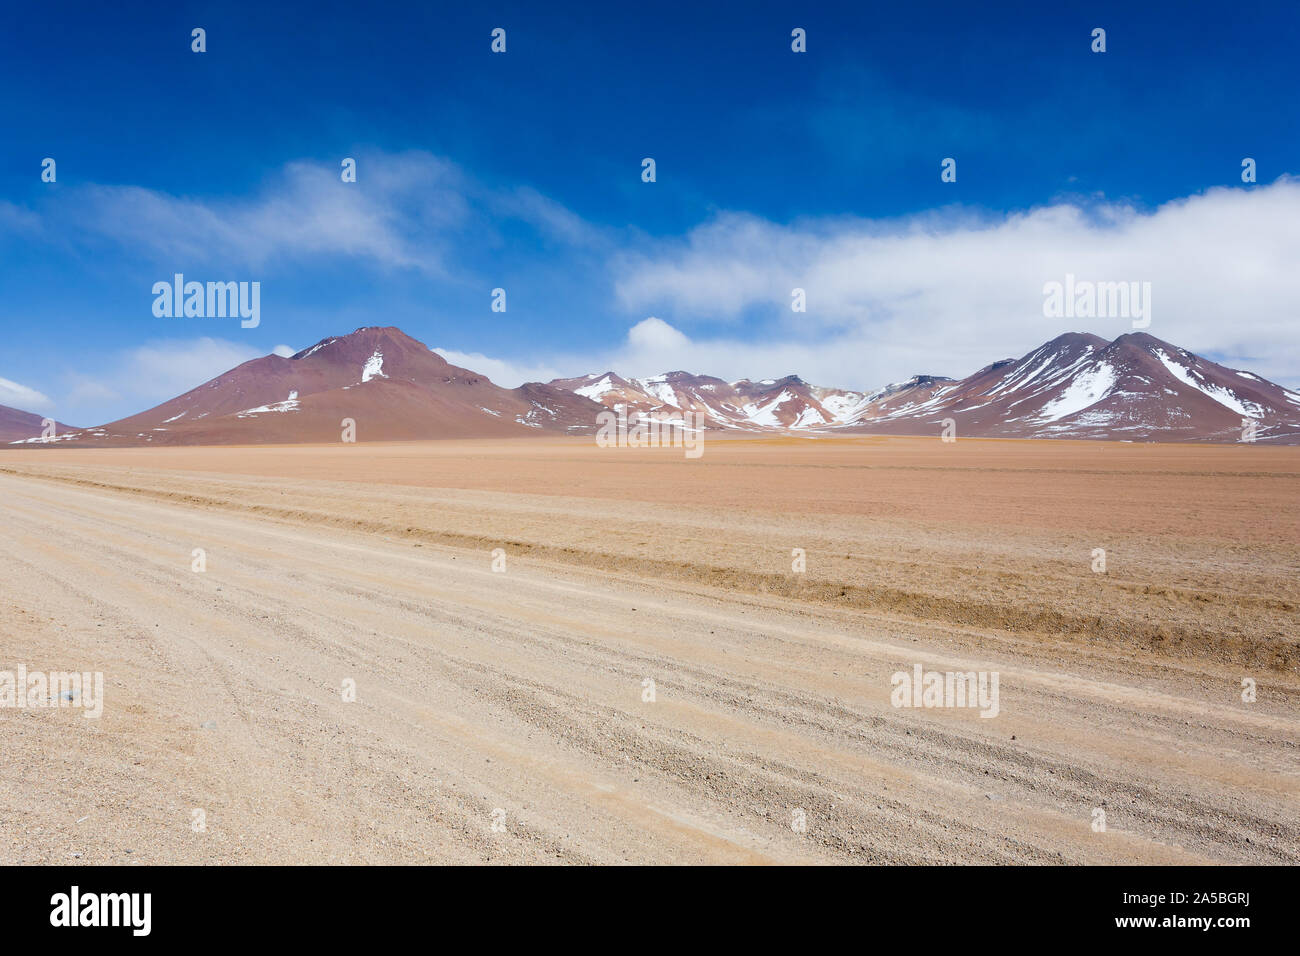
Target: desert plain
column 563, row 653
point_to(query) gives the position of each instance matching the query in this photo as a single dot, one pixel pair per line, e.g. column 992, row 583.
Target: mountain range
column 17, row 425
column 393, row 388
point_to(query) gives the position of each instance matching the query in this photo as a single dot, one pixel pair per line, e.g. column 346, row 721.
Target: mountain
column 393, row 387
column 1075, row 386
column 1081, row 386
column 785, row 403
column 20, row 426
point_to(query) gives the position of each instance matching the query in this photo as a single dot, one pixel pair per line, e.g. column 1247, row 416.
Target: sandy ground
column 523, row 692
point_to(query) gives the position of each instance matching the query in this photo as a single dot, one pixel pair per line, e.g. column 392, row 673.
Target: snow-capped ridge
column 1077, row 385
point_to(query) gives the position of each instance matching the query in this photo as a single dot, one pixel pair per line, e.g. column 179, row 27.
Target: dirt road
column 504, row 716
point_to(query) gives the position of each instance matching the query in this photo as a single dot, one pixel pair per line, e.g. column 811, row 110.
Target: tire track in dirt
column 958, row 597
column 771, row 767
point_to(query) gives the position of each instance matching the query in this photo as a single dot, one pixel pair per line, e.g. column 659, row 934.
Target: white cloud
column 950, row 292
column 149, row 374
column 653, row 346
column 943, row 292
column 507, row 373
column 404, row 211
column 547, row 216
column 655, row 335
column 17, row 219
column 175, row 366
column 19, row 396
column 87, row 394
column 829, row 361
column 284, row 351
column 409, row 210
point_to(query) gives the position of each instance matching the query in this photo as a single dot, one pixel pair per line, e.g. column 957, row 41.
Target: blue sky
column 522, row 170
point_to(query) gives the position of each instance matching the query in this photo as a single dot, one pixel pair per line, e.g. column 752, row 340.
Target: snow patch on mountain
column 1223, row 396
column 374, row 367
column 808, row 418
column 594, row 391
column 765, row 414
column 843, row 408
column 658, row 387
column 290, row 404
column 318, row 346
column 1085, row 390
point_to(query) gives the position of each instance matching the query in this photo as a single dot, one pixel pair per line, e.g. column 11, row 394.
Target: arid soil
column 524, row 691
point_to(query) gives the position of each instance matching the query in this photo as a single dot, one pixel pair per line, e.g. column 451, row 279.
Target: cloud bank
column 943, row 292
column 17, row 395
column 950, row 290
column 149, row 374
